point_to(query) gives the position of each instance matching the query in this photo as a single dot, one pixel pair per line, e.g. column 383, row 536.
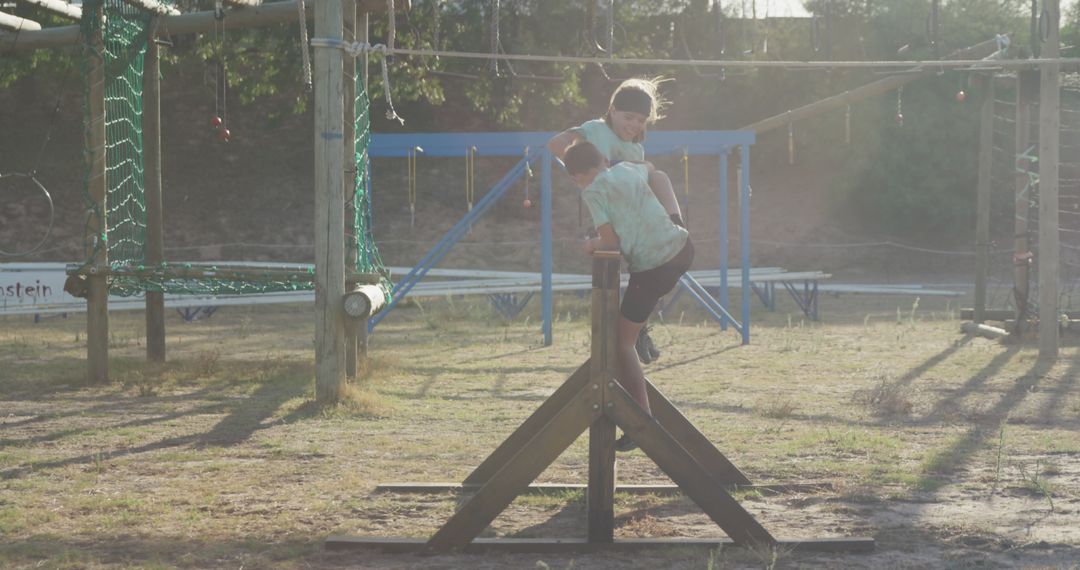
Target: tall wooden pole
column 602, row 367
column 97, row 300
column 348, row 209
column 329, row 197
column 155, row 240
column 982, row 201
column 1027, row 86
column 1049, row 123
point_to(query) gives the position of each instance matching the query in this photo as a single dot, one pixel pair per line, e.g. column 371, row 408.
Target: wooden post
column 329, row 196
column 605, row 310
column 1049, row 123
column 982, row 201
column 155, row 240
column 352, row 325
column 1027, row 85
column 97, row 300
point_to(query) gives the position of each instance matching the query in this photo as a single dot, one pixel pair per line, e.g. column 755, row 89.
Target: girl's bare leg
column 631, row 376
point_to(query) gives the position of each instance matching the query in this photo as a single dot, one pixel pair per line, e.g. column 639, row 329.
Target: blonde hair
column 651, row 87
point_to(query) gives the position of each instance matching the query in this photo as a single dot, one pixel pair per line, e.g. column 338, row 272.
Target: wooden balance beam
column 591, row 400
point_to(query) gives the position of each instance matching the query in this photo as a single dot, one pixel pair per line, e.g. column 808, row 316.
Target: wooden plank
column 664, row 489
column 97, row 300
column 59, row 7
column 1049, row 125
column 194, row 23
column 582, row 546
column 329, row 196
column 677, row 463
column 982, row 200
column 531, row 460
column 155, row 232
column 693, row 441
column 528, row 429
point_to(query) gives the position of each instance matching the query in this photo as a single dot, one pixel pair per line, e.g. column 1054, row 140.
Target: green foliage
column 45, row 63
column 908, row 181
column 916, row 179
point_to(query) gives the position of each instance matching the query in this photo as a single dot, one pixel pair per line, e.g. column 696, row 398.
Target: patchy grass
column 220, row 458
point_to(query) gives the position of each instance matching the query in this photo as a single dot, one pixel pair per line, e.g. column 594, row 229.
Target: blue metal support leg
column 545, row 243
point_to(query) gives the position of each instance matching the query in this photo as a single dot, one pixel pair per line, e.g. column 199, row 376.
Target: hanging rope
column 790, row 140
column 847, row 123
column 305, row 56
column 435, row 9
column 470, row 176
column 900, row 106
column 391, row 25
column 32, row 174
column 528, row 178
column 412, row 184
column 686, row 185
column 357, row 49
column 494, row 37
column 221, row 112
column 31, row 177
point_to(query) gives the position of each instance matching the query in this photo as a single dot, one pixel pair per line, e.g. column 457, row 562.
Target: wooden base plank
column 408, row 488
column 579, row 545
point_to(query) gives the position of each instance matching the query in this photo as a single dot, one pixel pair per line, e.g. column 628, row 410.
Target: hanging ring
column 52, row 213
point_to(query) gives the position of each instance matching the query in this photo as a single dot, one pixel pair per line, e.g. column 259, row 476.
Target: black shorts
column 646, row 287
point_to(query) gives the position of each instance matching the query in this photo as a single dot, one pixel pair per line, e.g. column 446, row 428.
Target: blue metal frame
column 718, row 143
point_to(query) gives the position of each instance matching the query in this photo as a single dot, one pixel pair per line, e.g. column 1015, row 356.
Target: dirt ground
column 950, row 451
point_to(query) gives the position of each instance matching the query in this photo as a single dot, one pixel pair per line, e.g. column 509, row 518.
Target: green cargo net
column 124, row 40
column 124, row 35
column 361, row 242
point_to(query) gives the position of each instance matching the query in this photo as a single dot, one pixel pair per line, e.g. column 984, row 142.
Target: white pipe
column 18, row 24
column 154, row 6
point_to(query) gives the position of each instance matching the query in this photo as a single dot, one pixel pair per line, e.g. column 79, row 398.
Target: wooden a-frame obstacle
column 591, row 399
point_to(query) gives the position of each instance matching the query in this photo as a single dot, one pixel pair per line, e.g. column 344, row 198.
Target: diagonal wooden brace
column 692, row 440
column 684, row 470
column 517, row 440
column 514, row 477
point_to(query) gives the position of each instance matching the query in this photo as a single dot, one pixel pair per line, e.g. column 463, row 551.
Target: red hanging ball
column 224, row 135
column 215, row 122
column 527, row 203
column 900, row 119
column 960, row 96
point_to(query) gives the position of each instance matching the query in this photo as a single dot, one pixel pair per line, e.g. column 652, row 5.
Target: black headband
column 633, row 101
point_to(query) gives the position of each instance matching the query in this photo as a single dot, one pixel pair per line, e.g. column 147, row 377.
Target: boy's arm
column 560, row 142
column 608, row 240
